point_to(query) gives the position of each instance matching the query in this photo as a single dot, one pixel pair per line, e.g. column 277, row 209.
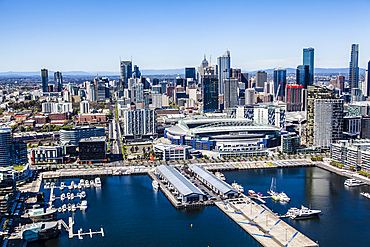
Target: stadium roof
column 223, row 187
column 183, row 185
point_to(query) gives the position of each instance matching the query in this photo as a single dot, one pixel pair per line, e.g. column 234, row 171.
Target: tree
column 136, row 149
column 132, row 149
column 28, row 128
column 21, row 129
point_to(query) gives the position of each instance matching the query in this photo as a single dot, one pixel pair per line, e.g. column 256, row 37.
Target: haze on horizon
column 93, row 35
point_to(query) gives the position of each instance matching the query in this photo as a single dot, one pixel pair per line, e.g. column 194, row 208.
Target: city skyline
column 94, row 36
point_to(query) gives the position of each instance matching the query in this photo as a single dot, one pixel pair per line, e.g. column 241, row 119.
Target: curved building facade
column 73, row 135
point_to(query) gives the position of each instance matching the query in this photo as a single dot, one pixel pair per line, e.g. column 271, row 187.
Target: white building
column 230, row 93
column 157, row 100
column 250, row 97
column 56, row 107
column 84, row 106
column 139, row 122
column 172, row 152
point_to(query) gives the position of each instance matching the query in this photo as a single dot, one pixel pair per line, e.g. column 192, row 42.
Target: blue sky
column 93, row 35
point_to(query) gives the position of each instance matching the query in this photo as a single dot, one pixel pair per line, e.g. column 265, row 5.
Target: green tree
column 21, row 129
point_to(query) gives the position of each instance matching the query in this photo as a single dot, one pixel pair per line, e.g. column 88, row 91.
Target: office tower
column 5, row 146
column 210, row 93
column 368, row 79
column 84, row 107
column 125, row 74
column 328, row 121
column 279, row 83
column 353, row 71
column 293, row 97
column 212, row 70
column 155, row 81
column 244, row 79
column 303, row 75
column 340, row 83
column 236, row 74
column 91, row 91
column 136, row 90
column 261, row 78
column 250, row 96
column 231, row 93
column 223, row 64
column 190, row 73
column 58, row 81
column 44, row 80
column 313, row 93
column 202, row 67
column 73, row 135
column 308, row 59
column 179, row 81
column 137, row 71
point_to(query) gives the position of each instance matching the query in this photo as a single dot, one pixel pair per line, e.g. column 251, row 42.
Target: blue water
column 132, row 214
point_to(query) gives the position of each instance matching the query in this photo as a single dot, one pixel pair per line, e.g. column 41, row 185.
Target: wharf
column 262, row 224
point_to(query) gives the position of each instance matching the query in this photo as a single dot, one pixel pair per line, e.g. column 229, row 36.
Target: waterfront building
column 210, row 93
column 290, row 144
column 354, row 73
column 218, row 186
column 46, row 154
column 230, row 93
column 224, row 65
column 352, row 154
column 328, row 121
column 84, row 107
column 308, row 59
column 139, row 123
column 293, row 97
column 92, row 149
column 171, row 152
column 58, row 81
column 44, row 80
column 185, row 190
column 313, row 93
column 279, row 83
column 125, row 74
column 261, row 78
column 73, row 135
column 303, row 75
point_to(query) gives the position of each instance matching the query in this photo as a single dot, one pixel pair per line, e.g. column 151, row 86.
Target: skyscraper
column 293, row 97
column 44, row 80
column 303, row 75
column 353, row 71
column 224, row 64
column 231, row 93
column 202, row 67
column 58, row 81
column 368, row 79
column 137, row 71
column 279, row 80
column 210, row 93
column 308, row 59
column 125, row 74
column 261, row 78
column 190, row 73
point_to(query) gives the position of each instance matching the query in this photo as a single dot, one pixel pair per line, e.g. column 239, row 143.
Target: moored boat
column 40, row 231
column 365, row 194
column 155, row 185
column 37, row 214
column 303, row 213
column 252, row 193
column 351, row 182
column 97, row 182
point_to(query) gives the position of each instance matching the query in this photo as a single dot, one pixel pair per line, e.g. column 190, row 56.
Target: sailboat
column 272, row 192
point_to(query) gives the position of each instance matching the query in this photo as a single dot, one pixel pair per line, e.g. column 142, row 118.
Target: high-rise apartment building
column 308, row 59
column 368, row 79
column 250, row 96
column 236, row 74
column 293, row 97
column 224, row 65
column 11, row 152
column 58, row 81
column 44, row 80
column 137, row 71
column 279, row 83
column 313, row 93
column 210, row 93
column 125, row 74
column 303, row 75
column 231, row 93
column 354, row 72
column 328, row 121
column 261, row 78
column 139, row 122
column 84, row 107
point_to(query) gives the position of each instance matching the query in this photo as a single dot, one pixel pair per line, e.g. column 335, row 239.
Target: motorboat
column 73, row 207
column 47, row 186
column 252, row 193
column 220, row 176
column 63, row 197
column 37, row 214
column 365, row 194
column 82, row 181
column 40, row 231
column 62, row 186
column 52, row 198
column 87, row 184
column 79, row 186
column 97, row 182
column 69, row 196
column 283, row 197
column 84, row 205
column 72, row 196
column 238, row 187
column 155, row 185
column 75, row 186
column 69, row 207
column 52, row 185
column 353, row 182
column 91, row 183
column 64, row 208
column 303, row 213
column 59, row 209
column 82, row 195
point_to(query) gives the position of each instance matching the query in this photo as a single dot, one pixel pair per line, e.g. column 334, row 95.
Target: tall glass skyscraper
column 210, row 93
column 353, row 72
column 44, row 80
column 125, row 74
column 58, row 81
column 303, row 75
column 308, row 59
column 190, row 73
column 224, row 65
column 279, row 79
column 368, row 79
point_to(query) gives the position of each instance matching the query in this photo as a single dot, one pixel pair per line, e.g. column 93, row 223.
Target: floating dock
column 262, row 224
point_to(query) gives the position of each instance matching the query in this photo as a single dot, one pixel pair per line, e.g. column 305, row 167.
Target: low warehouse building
column 218, row 186
column 184, row 189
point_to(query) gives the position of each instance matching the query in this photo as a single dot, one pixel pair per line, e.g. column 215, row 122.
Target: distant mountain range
column 12, row 74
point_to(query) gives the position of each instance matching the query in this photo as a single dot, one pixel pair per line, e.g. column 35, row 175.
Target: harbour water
column 133, row 214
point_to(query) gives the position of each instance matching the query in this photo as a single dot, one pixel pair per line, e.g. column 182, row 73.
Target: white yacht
column 83, row 205
column 303, row 213
column 62, row 186
column 82, row 195
column 238, row 187
column 365, row 194
column 91, row 183
column 64, row 208
column 283, row 197
column 352, row 182
column 79, row 186
column 220, row 176
column 73, row 207
column 69, row 196
column 97, row 182
column 62, row 197
column 47, row 186
column 72, row 196
column 155, row 185
column 274, row 195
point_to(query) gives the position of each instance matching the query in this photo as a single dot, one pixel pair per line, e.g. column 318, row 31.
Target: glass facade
column 308, row 59
column 210, row 93
column 303, row 75
column 279, row 79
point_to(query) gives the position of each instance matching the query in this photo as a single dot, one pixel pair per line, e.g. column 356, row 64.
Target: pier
column 80, row 233
column 262, row 224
